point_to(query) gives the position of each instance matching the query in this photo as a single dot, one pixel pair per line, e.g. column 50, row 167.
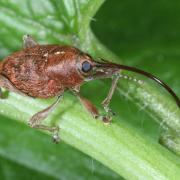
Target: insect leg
column 28, row 41
column 91, row 108
column 36, row 119
column 107, row 100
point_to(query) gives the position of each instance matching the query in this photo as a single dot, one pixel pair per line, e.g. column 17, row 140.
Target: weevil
column 46, row 71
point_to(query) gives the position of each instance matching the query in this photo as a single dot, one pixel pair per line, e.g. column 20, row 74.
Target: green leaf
column 125, row 146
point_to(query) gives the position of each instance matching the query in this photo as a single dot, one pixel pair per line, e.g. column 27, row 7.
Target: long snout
column 104, row 70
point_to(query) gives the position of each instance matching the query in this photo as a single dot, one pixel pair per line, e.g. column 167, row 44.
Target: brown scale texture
column 43, row 71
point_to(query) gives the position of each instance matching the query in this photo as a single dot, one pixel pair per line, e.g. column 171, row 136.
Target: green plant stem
column 117, row 146
column 31, row 154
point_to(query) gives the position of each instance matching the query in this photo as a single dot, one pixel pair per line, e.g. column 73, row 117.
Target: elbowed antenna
column 139, row 71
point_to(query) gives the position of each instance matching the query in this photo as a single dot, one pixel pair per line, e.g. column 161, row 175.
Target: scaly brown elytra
column 45, row 71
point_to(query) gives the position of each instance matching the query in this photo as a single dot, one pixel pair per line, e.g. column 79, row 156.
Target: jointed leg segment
column 91, row 108
column 38, row 117
column 36, row 120
column 87, row 104
column 107, row 100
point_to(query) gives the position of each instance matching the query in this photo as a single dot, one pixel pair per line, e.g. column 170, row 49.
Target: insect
column 46, row 71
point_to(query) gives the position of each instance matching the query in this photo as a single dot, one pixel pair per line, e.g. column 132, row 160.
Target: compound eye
column 86, row 66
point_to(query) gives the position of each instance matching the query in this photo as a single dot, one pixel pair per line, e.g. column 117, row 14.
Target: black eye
column 86, row 66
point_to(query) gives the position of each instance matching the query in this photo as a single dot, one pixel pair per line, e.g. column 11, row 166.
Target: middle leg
column 36, row 119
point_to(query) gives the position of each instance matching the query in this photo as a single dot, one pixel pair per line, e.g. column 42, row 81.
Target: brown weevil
column 45, row 71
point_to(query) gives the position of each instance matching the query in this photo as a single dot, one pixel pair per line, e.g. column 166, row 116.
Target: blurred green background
column 145, row 34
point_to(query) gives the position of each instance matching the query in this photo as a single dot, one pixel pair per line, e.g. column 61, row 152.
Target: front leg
column 107, row 100
column 35, row 121
column 91, row 108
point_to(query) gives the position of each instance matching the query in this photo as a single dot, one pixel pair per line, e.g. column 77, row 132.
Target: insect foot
column 54, row 130
column 107, row 120
column 55, row 137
